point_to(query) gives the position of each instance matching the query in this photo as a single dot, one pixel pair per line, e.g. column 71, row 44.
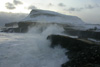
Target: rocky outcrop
column 84, row 34
column 22, row 27
column 81, row 53
column 13, row 24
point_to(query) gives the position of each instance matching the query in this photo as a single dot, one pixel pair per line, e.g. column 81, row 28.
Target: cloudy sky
column 87, row 10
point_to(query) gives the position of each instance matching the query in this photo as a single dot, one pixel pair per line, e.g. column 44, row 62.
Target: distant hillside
column 45, row 16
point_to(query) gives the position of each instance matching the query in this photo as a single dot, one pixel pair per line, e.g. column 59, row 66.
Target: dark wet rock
column 24, row 24
column 22, row 27
column 81, row 53
column 13, row 24
column 68, row 42
column 84, row 34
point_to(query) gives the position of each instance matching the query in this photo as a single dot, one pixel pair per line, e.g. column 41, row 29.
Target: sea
column 31, row 49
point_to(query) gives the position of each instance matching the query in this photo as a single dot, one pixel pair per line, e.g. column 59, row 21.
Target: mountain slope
column 45, row 16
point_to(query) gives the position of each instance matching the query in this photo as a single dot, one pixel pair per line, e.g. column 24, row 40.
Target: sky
column 87, row 10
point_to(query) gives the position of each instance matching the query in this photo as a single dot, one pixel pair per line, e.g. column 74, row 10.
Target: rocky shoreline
column 23, row 27
column 84, row 34
column 80, row 53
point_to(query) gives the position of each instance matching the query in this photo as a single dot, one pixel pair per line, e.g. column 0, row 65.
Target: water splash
column 31, row 49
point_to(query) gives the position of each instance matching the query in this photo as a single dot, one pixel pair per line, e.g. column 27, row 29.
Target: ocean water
column 31, row 49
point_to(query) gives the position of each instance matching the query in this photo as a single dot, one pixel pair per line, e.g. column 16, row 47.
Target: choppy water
column 31, row 49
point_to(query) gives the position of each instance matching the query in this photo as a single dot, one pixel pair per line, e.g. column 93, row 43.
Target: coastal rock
column 84, row 34
column 22, row 27
column 80, row 53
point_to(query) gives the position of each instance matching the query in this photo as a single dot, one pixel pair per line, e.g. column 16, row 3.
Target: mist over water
column 47, row 29
column 31, row 49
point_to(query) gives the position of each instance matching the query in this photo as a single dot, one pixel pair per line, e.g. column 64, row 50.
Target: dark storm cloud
column 9, row 6
column 32, row 7
column 61, row 5
column 12, row 5
column 17, row 2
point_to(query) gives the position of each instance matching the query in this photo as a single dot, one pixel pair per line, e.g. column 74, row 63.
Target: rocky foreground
column 81, row 53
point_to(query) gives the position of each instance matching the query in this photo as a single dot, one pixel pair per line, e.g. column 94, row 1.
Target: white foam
column 31, row 49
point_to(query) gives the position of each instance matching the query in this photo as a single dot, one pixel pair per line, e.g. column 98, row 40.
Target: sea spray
column 31, row 49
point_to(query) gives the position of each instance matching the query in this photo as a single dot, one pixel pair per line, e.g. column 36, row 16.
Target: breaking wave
column 31, row 49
